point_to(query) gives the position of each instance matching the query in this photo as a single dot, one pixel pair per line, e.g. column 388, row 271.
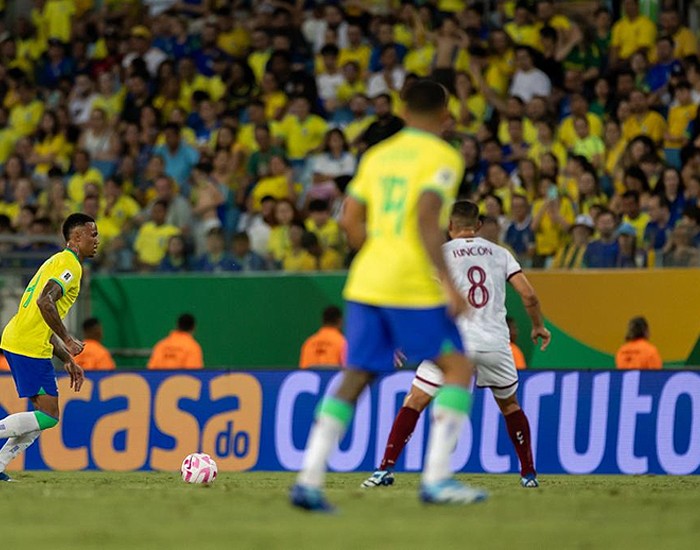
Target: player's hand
column 456, row 304
column 74, row 346
column 541, row 334
column 77, row 377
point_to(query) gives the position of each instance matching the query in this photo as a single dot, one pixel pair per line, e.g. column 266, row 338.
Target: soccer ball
column 198, row 468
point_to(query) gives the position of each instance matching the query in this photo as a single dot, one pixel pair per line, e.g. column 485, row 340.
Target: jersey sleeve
column 359, row 187
column 512, row 265
column 443, row 173
column 65, row 274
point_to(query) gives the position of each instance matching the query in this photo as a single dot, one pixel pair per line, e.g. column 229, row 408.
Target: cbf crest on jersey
column 445, row 176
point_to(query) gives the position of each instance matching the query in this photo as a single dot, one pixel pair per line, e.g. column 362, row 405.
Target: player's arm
column 72, row 368
column 532, row 305
column 353, row 222
column 433, row 237
column 47, row 306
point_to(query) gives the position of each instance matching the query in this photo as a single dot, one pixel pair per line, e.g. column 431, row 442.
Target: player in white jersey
column 480, row 270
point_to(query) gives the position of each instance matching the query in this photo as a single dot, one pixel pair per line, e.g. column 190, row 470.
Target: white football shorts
column 494, row 369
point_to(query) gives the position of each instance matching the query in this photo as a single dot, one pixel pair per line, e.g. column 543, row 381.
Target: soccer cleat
column 450, row 491
column 5, row 477
column 529, row 481
column 310, row 498
column 380, row 478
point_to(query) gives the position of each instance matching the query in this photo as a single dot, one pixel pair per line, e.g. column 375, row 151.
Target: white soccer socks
column 15, row 446
column 332, row 419
column 19, row 424
column 450, row 409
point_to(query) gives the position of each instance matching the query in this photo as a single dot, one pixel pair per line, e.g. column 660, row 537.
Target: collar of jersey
column 418, row 131
column 74, row 254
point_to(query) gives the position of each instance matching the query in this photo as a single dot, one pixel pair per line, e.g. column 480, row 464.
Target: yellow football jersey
column 393, row 269
column 27, row 333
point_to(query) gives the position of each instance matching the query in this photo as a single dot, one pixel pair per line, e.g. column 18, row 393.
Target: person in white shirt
column 141, row 47
column 480, row 270
column 528, row 81
column 331, row 78
column 391, row 77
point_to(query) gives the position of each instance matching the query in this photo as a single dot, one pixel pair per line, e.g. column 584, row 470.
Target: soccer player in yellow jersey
column 37, row 332
column 399, row 293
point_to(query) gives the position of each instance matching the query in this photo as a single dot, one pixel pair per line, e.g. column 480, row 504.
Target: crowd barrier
column 581, row 421
column 261, row 321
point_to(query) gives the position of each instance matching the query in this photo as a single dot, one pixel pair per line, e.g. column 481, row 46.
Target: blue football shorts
column 32, row 376
column 375, row 333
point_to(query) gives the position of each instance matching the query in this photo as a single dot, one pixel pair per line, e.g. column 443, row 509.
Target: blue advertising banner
column 582, row 422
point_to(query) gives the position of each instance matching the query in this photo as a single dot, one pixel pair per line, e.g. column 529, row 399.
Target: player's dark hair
column 637, row 328
column 185, row 322
column 425, row 97
column 73, row 221
column 332, row 315
column 90, row 323
column 465, row 214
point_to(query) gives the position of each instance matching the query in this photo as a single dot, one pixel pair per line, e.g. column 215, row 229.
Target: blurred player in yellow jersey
column 399, row 294
column 37, row 332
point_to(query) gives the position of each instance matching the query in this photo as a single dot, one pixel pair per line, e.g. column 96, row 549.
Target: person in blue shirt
column 216, row 259
column 519, row 236
column 660, row 225
column 244, row 256
column 179, row 157
column 176, row 259
column 603, row 252
column 660, row 73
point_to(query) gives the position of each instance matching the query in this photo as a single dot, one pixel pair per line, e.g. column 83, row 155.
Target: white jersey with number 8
column 480, row 270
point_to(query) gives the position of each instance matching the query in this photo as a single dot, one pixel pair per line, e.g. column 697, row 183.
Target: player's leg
column 432, row 334
column 496, row 370
column 370, row 351
column 519, row 432
column 333, row 416
column 425, row 385
column 34, row 379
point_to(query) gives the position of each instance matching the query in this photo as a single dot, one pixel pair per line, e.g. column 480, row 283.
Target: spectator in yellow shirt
column 301, row 131
column 643, row 121
column 579, row 108
column 633, row 215
column 570, row 256
column 631, row 33
column 152, row 238
column 25, row 115
column 82, row 176
column 552, row 216
column 279, row 184
column 679, row 116
column 521, row 30
column 686, row 43
column 260, row 54
column 356, row 50
column 119, row 207
column 324, row 226
column 58, row 17
column 297, row 258
column 325, row 259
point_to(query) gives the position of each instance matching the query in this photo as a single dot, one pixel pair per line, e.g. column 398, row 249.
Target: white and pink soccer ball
column 198, row 468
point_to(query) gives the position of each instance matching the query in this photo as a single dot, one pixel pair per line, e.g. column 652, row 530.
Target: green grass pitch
column 129, row 511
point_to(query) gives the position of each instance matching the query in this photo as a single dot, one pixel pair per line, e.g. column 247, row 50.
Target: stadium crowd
column 211, row 135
